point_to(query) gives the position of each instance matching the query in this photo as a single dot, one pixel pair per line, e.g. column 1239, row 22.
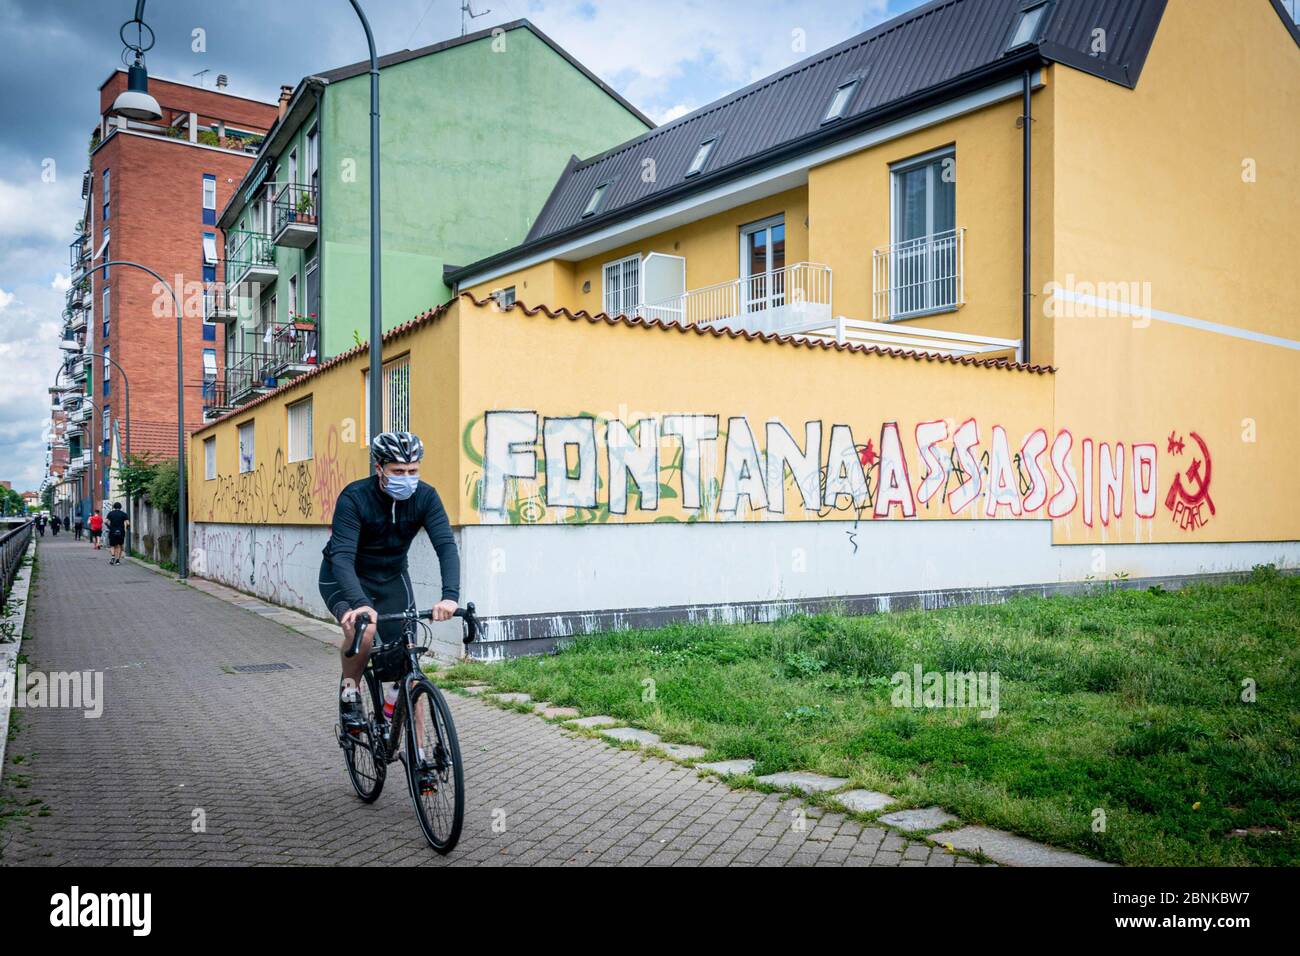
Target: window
column 210, row 201
column 209, row 248
column 107, row 256
column 840, row 101
column 925, row 259
column 396, row 393
column 210, row 458
column 1027, row 26
column 300, row 430
column 594, row 202
column 762, row 264
column 504, row 297
column 107, row 369
column 313, row 157
column 105, row 313
column 293, row 297
column 245, row 447
column 1292, row 8
column 209, row 365
column 104, row 192
column 701, row 157
column 209, row 332
column 622, row 287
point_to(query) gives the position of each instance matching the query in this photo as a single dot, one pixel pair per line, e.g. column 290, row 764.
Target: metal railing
column 765, row 302
column 220, row 304
column 13, row 545
column 919, row 276
column 295, row 204
column 245, row 250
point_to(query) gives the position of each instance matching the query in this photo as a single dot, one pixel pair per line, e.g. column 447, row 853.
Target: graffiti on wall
column 250, row 559
column 293, row 491
column 527, row 469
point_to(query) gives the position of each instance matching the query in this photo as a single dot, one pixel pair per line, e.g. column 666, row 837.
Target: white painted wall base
column 562, row 580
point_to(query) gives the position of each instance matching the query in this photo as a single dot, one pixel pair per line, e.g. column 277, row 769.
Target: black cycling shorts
column 116, row 539
column 386, row 597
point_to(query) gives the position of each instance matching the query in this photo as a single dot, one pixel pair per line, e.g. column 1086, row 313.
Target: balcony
column 248, row 376
column 918, row 277
column 219, row 304
column 910, row 338
column 78, row 296
column 766, row 302
column 73, row 433
column 70, row 400
column 215, row 399
column 250, row 257
column 81, row 414
column 294, row 214
column 77, row 258
column 292, row 351
column 74, row 321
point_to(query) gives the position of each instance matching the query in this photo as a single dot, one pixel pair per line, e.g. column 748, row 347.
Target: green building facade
column 474, row 132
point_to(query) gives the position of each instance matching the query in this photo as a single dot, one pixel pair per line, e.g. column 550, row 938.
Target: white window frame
column 932, row 158
column 210, row 202
column 246, row 431
column 210, row 458
column 593, row 204
column 622, row 306
column 293, row 297
column 840, row 100
column 296, row 453
column 701, row 157
column 209, row 248
column 1033, row 15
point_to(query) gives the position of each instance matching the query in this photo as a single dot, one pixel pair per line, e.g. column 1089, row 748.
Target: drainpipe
column 1026, row 122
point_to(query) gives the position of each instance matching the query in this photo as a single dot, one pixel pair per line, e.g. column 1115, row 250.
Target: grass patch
column 1126, row 703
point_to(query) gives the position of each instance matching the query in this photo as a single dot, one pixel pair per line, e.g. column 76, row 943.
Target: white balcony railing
column 766, row 302
column 919, row 276
column 909, row 338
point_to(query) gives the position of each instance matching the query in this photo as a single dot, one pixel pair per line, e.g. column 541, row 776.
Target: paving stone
column 804, row 782
column 865, row 801
column 552, row 713
column 913, row 821
column 1011, row 850
column 475, row 689
column 728, row 768
column 600, row 720
column 683, row 751
column 511, row 698
column 633, row 735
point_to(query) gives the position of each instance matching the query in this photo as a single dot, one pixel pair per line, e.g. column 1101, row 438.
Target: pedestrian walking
column 117, row 524
column 40, row 524
column 96, row 528
column 77, row 528
column 55, row 524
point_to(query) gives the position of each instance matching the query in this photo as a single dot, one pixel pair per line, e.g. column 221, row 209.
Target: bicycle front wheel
column 434, row 769
column 363, row 746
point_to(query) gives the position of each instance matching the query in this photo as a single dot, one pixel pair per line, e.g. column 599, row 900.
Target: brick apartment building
column 153, row 191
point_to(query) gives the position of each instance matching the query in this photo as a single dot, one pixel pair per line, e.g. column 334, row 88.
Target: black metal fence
column 13, row 545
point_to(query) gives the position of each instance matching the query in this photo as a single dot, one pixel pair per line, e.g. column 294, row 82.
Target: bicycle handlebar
column 362, row 622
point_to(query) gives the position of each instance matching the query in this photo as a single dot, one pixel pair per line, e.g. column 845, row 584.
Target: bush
column 164, row 488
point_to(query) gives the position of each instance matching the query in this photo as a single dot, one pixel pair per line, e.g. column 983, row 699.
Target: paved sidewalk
column 184, row 736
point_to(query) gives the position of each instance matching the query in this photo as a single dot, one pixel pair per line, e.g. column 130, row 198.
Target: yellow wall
column 277, row 491
column 849, row 213
column 711, row 247
column 1150, row 197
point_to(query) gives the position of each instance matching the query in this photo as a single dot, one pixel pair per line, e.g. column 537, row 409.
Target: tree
column 164, row 489
column 136, row 474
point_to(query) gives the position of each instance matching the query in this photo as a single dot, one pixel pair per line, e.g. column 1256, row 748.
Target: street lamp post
column 376, row 421
column 183, row 518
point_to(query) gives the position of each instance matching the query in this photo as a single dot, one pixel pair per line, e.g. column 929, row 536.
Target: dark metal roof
column 900, row 65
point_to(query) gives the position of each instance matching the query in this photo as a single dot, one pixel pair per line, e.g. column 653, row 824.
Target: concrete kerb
column 10, row 650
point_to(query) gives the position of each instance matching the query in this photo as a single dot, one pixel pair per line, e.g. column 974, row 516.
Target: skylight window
column 594, row 202
column 701, row 157
column 840, row 101
column 1027, row 26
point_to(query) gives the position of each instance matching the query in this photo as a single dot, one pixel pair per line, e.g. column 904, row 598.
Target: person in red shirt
column 96, row 529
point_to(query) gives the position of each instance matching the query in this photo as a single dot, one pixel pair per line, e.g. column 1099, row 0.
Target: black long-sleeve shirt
column 372, row 532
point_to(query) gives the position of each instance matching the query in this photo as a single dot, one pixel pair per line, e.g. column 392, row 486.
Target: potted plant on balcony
column 306, row 208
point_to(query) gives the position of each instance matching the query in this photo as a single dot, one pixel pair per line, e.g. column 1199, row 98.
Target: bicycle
column 434, row 771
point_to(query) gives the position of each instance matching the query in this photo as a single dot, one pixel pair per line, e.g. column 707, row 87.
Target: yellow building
column 857, row 334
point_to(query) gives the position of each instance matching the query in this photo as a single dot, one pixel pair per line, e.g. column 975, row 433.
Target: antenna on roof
column 222, row 81
column 467, row 14
column 200, row 75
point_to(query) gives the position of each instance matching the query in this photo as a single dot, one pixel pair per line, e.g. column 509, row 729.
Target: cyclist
column 364, row 570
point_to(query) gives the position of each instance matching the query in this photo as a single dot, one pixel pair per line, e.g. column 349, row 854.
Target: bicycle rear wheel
column 437, row 779
column 361, row 750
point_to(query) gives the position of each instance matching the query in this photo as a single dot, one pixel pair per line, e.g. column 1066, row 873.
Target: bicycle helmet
column 396, row 446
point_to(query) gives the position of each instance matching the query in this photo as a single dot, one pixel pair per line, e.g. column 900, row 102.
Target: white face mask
column 401, row 487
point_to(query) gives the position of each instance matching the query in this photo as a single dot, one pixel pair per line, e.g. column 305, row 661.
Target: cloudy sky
column 666, row 56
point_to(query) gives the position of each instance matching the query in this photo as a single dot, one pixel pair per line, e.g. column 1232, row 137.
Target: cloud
column 5, row 299
column 61, row 283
